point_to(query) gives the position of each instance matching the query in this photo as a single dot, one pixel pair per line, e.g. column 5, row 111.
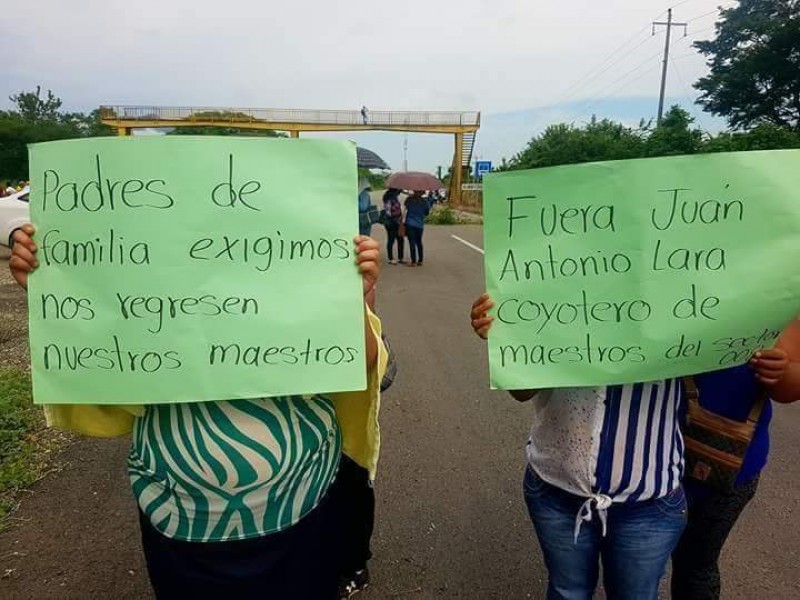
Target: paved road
column 451, row 520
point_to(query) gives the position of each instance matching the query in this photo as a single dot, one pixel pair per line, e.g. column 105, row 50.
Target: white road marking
column 466, row 243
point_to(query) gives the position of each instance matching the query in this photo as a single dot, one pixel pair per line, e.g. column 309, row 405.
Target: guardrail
column 273, row 115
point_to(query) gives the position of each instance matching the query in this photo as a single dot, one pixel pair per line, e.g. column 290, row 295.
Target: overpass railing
column 273, row 115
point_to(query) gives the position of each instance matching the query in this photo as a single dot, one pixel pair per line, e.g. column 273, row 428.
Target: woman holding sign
column 603, row 480
column 237, row 497
column 727, row 442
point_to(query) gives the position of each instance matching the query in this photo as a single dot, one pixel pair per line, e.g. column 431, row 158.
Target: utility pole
column 669, row 25
column 405, row 152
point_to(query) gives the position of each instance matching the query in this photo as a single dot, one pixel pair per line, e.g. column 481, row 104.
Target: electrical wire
column 583, row 82
column 612, row 60
column 674, row 6
column 692, row 39
column 690, row 91
column 590, row 104
column 711, row 12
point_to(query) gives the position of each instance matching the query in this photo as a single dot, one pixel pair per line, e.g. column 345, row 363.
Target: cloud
column 497, row 57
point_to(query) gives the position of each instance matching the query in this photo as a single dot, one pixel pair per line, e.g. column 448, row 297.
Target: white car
column 14, row 213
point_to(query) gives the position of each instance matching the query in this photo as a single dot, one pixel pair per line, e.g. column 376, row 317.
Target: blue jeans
column 638, row 542
column 414, row 235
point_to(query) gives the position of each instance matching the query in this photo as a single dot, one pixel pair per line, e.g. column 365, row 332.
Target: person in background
column 713, row 510
column 365, row 115
column 393, row 221
column 266, row 521
column 417, row 208
column 365, row 207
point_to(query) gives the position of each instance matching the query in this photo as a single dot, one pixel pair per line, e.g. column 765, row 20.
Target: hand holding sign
column 23, row 258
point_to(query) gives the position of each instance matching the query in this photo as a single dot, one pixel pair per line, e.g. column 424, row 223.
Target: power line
column 582, row 83
column 711, row 12
column 615, row 58
column 570, row 92
column 622, row 87
column 577, row 85
column 686, row 87
column 589, row 104
column 674, row 6
column 695, row 38
column 639, row 45
column 684, row 55
column 694, row 33
column 691, row 40
column 649, row 59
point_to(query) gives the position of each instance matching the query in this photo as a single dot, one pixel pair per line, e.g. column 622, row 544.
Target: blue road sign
column 482, row 167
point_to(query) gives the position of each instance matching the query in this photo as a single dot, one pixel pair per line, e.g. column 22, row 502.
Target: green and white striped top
column 235, row 469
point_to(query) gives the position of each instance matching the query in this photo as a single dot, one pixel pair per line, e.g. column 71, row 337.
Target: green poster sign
column 180, row 269
column 637, row 270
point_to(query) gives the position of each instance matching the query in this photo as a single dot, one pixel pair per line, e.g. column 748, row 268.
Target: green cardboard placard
column 638, row 270
column 178, row 269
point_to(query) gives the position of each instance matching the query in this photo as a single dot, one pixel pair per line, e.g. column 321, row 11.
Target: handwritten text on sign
column 188, row 269
column 636, row 270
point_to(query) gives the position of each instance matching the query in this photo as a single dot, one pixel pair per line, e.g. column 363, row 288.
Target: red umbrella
column 414, row 181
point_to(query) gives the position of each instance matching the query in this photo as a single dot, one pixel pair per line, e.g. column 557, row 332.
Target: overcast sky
column 522, row 63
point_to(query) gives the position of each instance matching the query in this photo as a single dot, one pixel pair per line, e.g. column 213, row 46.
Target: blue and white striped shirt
column 609, row 444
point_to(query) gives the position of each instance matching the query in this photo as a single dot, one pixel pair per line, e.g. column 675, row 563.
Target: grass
column 24, row 445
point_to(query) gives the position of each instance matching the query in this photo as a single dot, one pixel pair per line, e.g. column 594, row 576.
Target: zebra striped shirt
column 235, row 469
column 609, row 444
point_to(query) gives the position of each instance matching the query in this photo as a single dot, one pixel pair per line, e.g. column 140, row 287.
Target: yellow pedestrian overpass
column 462, row 125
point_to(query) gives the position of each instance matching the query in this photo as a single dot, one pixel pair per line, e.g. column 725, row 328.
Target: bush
column 442, row 215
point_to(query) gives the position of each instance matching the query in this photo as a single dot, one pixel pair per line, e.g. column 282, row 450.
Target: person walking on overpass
column 417, row 208
column 717, row 493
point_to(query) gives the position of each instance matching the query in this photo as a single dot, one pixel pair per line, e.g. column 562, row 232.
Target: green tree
column 33, row 108
column 230, row 117
column 754, row 64
column 567, row 144
column 39, row 119
column 377, row 180
column 674, row 135
column 762, row 137
column 15, row 135
column 92, row 126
